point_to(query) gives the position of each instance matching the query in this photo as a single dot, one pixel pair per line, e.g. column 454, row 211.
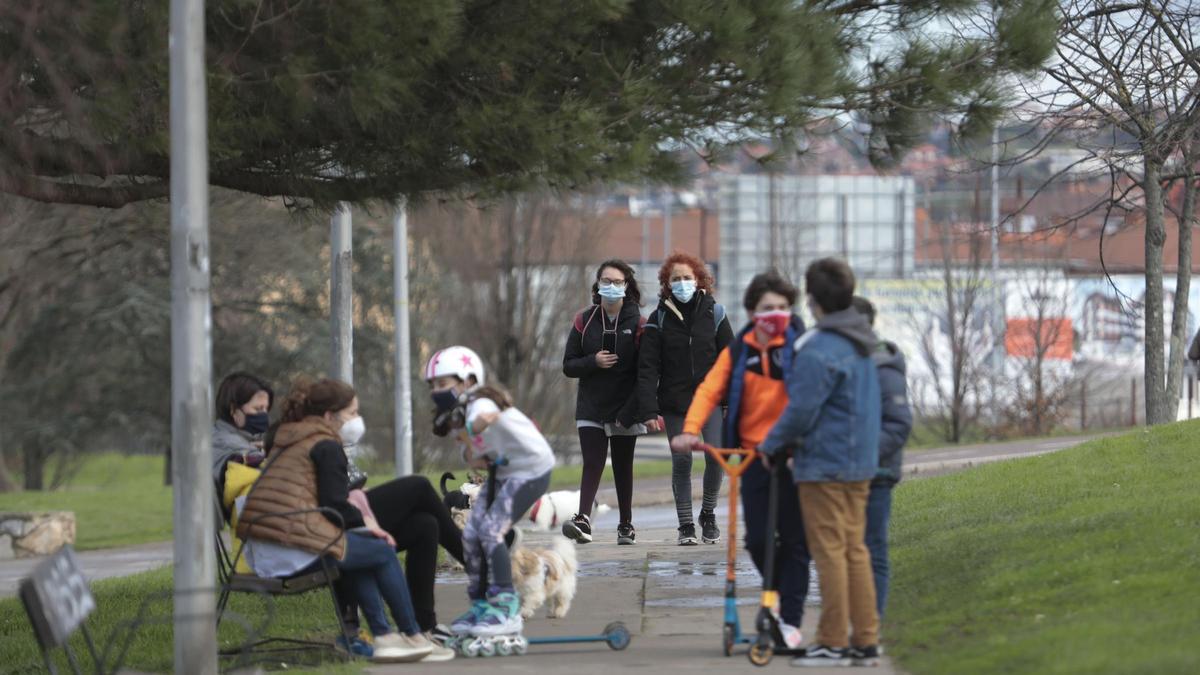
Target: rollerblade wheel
column 470, row 648
column 761, row 651
column 504, row 647
column 617, row 635
column 727, row 639
column 521, row 646
column 488, row 648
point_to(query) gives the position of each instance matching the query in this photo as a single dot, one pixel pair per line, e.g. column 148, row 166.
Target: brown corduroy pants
column 835, row 517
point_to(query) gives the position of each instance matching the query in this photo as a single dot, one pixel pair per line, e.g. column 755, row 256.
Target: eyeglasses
column 619, row 283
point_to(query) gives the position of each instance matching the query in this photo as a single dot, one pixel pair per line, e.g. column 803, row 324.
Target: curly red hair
column 704, row 278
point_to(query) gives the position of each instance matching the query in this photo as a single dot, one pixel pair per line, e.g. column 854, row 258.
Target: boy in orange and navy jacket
column 750, row 377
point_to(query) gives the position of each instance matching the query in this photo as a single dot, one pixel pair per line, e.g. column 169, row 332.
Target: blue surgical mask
column 612, row 292
column 684, row 289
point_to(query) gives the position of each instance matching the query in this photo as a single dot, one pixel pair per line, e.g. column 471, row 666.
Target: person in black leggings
column 602, row 352
column 410, row 510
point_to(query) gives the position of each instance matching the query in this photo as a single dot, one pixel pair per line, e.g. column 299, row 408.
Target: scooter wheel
column 617, row 635
column 760, row 654
column 727, row 639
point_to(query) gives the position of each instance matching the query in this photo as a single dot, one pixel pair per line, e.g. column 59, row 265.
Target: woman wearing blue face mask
column 682, row 340
column 243, row 416
column 602, row 352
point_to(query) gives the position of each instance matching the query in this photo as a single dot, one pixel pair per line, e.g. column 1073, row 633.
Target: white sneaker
column 397, row 648
column 792, row 638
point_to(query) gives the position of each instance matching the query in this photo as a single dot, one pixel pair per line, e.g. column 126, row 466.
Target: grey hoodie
column 227, row 441
column 896, row 413
column 853, row 326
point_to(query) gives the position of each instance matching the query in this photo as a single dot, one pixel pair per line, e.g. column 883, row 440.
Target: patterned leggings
column 484, row 534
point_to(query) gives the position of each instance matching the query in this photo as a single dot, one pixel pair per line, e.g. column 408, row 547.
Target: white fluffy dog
column 545, row 576
column 542, row 576
column 552, row 509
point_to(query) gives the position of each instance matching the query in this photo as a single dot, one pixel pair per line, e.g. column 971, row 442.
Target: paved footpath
column 106, row 563
column 671, row 598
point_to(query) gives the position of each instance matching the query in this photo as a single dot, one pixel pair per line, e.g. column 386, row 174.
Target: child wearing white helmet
column 490, row 431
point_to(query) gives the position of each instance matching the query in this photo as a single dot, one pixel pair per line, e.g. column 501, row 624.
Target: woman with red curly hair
column 681, row 342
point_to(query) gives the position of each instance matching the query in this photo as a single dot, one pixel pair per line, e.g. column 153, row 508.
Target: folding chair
column 233, row 582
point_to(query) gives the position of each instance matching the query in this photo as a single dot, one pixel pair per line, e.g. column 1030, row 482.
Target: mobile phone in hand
column 608, row 342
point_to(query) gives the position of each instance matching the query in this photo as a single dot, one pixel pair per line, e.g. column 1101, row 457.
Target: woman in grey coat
column 243, row 416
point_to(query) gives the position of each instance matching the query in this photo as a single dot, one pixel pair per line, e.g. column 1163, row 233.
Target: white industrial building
column 787, row 221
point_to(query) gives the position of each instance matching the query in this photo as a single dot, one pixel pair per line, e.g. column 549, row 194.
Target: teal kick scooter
column 615, row 634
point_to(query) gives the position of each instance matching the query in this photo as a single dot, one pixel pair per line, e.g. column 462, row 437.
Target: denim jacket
column 832, row 420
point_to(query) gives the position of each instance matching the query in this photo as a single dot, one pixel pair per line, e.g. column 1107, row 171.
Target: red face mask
column 773, row 323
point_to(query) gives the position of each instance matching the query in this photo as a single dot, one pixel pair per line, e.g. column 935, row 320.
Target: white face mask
column 353, row 430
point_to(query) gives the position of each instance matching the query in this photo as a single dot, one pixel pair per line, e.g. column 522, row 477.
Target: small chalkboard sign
column 57, row 598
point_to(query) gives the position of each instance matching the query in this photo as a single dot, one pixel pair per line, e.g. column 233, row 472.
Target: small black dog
column 453, row 499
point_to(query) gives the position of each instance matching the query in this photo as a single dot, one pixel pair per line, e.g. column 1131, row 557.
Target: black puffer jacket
column 676, row 355
column 605, row 394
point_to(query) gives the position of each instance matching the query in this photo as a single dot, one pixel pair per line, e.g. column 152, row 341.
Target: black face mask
column 256, row 424
column 448, row 414
column 444, row 399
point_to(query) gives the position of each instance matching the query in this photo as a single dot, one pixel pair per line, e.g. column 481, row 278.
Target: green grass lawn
column 119, row 601
column 119, row 500
column 1082, row 561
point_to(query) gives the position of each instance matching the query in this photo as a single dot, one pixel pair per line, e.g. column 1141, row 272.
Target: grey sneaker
column 626, row 535
column 687, row 535
column 709, row 532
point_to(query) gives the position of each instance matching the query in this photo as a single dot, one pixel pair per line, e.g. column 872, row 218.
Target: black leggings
column 593, row 444
column 411, row 511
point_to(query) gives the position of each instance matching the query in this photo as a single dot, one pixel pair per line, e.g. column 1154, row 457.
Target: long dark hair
column 236, row 390
column 632, row 293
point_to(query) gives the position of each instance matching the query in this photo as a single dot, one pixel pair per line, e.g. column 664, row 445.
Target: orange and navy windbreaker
column 764, row 394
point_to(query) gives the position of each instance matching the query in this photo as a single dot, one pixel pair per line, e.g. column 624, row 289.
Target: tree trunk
column 1157, row 402
column 1183, row 283
column 35, row 466
column 956, row 356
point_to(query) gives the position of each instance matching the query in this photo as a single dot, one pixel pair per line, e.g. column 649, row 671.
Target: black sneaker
column 441, row 634
column 578, row 528
column 687, row 535
column 709, row 532
column 626, row 535
column 865, row 656
column 820, row 656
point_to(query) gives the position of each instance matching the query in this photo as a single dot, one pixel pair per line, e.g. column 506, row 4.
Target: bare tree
column 954, row 338
column 1125, row 91
column 1040, row 339
column 506, row 279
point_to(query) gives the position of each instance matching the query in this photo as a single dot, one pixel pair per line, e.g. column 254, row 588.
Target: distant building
column 788, row 221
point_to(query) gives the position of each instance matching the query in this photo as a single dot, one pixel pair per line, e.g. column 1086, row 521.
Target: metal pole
column 403, row 366
column 667, row 204
column 645, row 231
column 341, row 295
column 191, row 346
column 997, row 313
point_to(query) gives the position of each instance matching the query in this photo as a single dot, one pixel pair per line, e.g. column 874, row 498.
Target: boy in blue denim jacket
column 833, row 420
